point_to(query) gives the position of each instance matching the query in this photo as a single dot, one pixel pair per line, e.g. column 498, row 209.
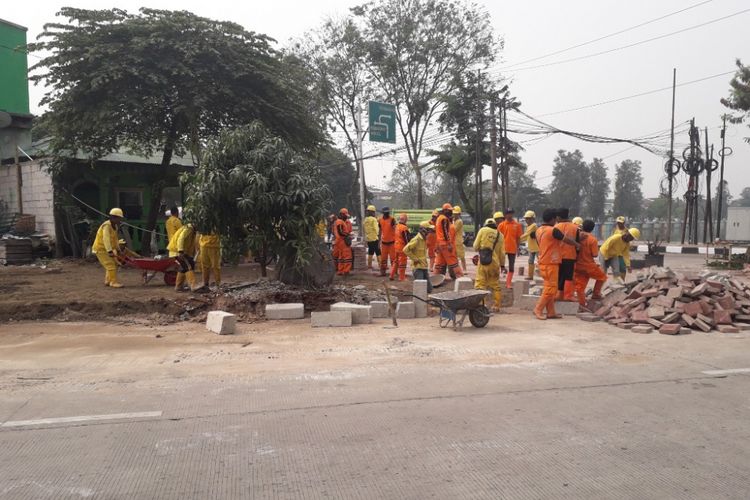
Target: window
column 131, row 202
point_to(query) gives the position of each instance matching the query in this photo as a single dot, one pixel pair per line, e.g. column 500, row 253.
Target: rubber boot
column 497, row 300
column 569, row 291
column 113, row 279
column 509, row 280
column 530, row 276
column 107, row 277
column 597, row 294
column 190, row 278
column 179, row 281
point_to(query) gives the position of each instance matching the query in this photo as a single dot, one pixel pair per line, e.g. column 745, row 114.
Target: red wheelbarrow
column 150, row 267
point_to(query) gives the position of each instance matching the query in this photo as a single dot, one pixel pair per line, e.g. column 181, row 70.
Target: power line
column 606, row 36
column 641, row 42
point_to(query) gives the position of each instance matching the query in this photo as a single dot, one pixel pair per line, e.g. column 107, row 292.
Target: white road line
column 726, row 372
column 82, row 418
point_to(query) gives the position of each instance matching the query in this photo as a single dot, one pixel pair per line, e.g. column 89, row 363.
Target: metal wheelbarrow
column 456, row 306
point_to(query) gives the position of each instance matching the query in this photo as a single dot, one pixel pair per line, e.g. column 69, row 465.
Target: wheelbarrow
column 150, row 267
column 456, row 306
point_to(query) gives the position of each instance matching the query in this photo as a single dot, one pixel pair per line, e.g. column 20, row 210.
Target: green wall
column 14, row 84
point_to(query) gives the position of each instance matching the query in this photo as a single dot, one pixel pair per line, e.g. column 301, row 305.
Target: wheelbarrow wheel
column 170, row 278
column 479, row 317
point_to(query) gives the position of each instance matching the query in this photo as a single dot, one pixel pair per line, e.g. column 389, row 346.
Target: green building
column 15, row 120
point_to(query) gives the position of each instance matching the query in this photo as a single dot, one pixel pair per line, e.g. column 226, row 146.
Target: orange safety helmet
column 447, row 206
column 344, row 211
column 402, row 218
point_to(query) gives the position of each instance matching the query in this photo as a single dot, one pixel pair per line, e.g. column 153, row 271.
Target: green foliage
column 658, row 208
column 739, row 95
column 524, row 195
column 598, row 190
column 570, row 181
column 259, row 193
column 744, row 199
column 339, row 175
column 628, row 194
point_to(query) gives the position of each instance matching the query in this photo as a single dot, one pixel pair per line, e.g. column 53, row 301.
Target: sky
column 533, row 29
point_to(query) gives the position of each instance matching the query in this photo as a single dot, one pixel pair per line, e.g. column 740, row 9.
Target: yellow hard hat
column 621, row 219
column 529, row 214
column 117, row 212
column 635, row 233
column 489, row 221
column 121, row 242
column 577, row 221
column 497, row 215
column 425, row 224
column 456, row 209
column 371, row 208
column 435, row 212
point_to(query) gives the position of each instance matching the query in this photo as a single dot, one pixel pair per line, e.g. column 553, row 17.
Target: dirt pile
column 675, row 303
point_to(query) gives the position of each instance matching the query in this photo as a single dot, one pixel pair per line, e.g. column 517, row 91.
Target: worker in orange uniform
column 342, row 244
column 445, row 257
column 105, row 247
column 551, row 241
column 565, row 285
column 587, row 266
column 458, row 225
column 387, row 240
column 432, row 240
column 512, row 231
column 402, row 239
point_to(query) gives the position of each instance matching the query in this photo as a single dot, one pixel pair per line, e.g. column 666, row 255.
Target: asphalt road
column 575, row 411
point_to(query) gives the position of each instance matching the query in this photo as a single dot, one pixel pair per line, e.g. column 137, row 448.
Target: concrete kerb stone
column 567, row 308
column 285, row 311
column 360, row 314
column 463, row 283
column 520, row 288
column 221, row 322
column 331, row 319
column 526, row 302
column 379, row 309
column 420, row 291
column 405, row 310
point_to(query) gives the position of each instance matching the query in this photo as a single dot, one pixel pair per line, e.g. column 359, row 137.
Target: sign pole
column 361, row 168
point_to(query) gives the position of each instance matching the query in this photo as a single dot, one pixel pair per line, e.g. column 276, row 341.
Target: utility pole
column 721, row 177
column 493, row 153
column 361, row 168
column 671, row 160
column 708, row 228
column 19, row 174
column 506, row 167
column 477, row 155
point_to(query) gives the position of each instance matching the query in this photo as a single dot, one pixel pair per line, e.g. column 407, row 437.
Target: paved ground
column 521, row 409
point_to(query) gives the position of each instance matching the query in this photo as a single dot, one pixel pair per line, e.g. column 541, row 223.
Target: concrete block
column 360, row 314
column 221, row 322
column 642, row 329
column 405, row 310
column 728, row 329
column 567, row 308
column 670, row 329
column 526, row 302
column 379, row 309
column 420, row 290
column 463, row 283
column 330, row 319
column 285, row 311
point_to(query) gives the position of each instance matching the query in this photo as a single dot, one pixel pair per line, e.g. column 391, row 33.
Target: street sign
column 382, row 119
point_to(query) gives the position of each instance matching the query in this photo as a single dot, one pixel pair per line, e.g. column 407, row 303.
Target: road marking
column 726, row 372
column 82, row 418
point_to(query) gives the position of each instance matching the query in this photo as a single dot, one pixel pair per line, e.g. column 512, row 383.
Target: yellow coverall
column 107, row 241
column 172, row 224
column 458, row 225
column 615, row 248
column 184, row 241
column 416, row 251
column 488, row 276
column 532, row 246
column 210, row 252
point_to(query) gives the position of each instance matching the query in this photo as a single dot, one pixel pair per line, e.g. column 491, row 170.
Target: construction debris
column 674, row 302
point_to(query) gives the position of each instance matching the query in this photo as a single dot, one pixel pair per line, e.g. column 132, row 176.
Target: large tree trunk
column 156, row 191
column 418, row 172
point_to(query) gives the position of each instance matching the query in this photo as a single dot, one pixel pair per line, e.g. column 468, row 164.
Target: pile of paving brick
column 674, row 303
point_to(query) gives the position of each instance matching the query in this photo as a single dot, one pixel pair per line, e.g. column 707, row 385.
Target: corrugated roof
column 38, row 149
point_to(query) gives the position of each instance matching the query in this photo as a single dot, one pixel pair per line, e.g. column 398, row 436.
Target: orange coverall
column 565, row 286
column 399, row 263
column 550, row 256
column 587, row 268
column 342, row 253
column 446, row 249
column 387, row 242
column 431, row 241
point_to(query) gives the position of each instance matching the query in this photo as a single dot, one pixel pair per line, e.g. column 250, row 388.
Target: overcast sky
column 532, row 29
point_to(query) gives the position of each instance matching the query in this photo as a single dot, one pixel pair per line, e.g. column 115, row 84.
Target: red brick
column 663, row 301
column 722, row 318
column 685, row 331
column 603, row 311
column 639, row 317
column 688, row 319
column 699, row 290
column 656, row 312
column 674, row 292
column 726, row 302
column 651, row 292
column 693, row 309
column 701, row 325
column 707, row 308
column 671, row 317
column 709, row 320
column 728, row 329
column 626, row 326
column 635, row 294
column 642, row 329
column 655, row 323
column 670, row 329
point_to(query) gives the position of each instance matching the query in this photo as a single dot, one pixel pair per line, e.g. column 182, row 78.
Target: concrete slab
column 405, row 310
column 221, row 322
column 360, row 314
column 463, row 283
column 330, row 319
column 379, row 309
column 520, row 287
column 285, row 311
column 420, row 290
column 526, row 302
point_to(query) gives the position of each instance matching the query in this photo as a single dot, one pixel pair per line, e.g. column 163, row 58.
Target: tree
column 659, row 208
column 403, row 186
column 739, row 95
column 598, row 190
column 524, row 195
column 744, row 199
column 163, row 81
column 260, row 193
column 416, row 48
column 628, row 195
column 570, row 181
column 339, row 175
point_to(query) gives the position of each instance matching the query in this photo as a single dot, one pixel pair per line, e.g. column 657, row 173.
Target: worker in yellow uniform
column 173, row 223
column 531, row 244
column 210, row 252
column 182, row 247
column 123, row 252
column 417, row 251
column 105, row 247
column 490, row 247
column 621, row 228
column 615, row 249
column 372, row 236
column 458, row 225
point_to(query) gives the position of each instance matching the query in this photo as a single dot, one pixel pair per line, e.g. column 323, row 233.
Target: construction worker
column 551, row 240
column 578, row 221
column 372, row 236
column 173, row 222
column 416, row 250
column 182, row 246
column 342, row 244
column 587, row 267
column 403, row 235
column 458, row 225
column 105, row 247
column 123, row 252
column 621, row 228
column 432, row 239
column 387, row 239
column 512, row 231
column 490, row 256
column 565, row 285
column 445, row 256
column 530, row 218
column 615, row 248
column 210, row 252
